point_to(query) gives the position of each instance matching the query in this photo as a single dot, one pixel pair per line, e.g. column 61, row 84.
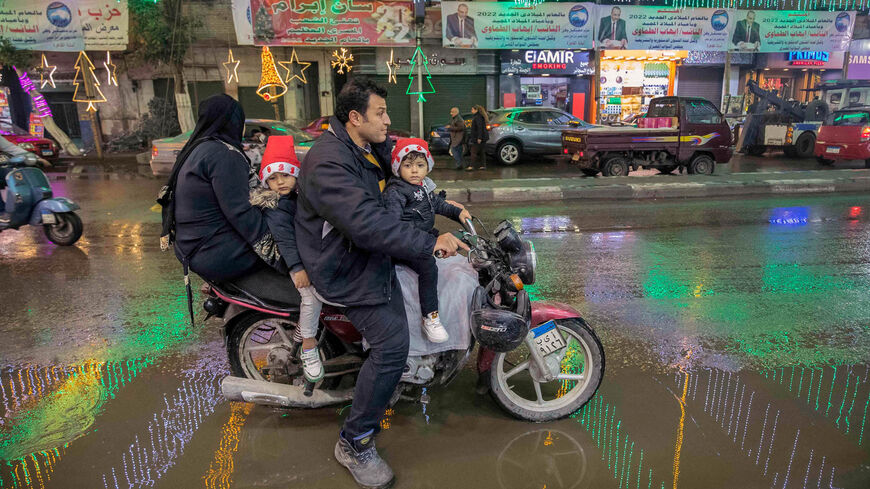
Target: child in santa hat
column 278, row 173
column 411, row 196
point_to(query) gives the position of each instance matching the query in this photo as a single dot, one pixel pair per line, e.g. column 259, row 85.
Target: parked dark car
column 317, row 126
column 522, row 131
column 439, row 136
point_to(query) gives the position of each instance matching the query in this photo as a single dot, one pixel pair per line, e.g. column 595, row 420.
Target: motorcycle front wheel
column 523, row 394
column 66, row 231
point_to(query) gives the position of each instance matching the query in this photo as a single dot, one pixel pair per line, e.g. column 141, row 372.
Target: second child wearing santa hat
column 411, row 196
column 277, row 197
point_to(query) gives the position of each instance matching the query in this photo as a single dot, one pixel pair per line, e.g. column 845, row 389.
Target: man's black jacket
column 345, row 234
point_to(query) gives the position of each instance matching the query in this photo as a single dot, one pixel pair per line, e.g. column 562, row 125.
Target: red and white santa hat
column 279, row 157
column 407, row 145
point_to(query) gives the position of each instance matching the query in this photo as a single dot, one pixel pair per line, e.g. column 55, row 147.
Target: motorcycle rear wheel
column 255, row 334
column 519, row 394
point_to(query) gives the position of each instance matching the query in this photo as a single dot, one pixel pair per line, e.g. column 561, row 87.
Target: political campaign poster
column 332, row 23
column 41, row 25
column 781, row 31
column 505, row 25
column 627, row 27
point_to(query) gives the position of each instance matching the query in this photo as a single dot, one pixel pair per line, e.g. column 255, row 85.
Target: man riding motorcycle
column 347, row 240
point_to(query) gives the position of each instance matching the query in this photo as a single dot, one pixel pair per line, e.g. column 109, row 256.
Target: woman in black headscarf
column 216, row 231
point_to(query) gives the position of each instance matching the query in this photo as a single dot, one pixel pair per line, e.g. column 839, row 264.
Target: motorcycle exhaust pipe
column 280, row 395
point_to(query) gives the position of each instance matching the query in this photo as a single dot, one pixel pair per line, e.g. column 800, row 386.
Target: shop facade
column 795, row 75
column 559, row 78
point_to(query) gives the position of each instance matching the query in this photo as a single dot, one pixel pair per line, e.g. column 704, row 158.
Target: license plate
column 833, row 149
column 49, row 218
column 576, row 156
column 548, row 339
column 47, row 152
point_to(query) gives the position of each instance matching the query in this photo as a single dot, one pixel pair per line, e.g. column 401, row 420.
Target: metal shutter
column 701, row 81
column 453, row 91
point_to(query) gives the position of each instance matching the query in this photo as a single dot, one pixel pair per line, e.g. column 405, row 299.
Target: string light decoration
column 342, row 61
column 269, row 77
column 27, row 85
column 527, row 3
column 232, row 67
column 392, row 69
column 295, row 68
column 46, row 73
column 422, row 68
column 85, row 76
column 111, row 79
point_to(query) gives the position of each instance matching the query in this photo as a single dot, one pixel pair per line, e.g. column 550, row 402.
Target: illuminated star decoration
column 46, row 74
column 232, row 67
column 393, row 69
column 293, row 73
column 111, row 79
column 342, row 61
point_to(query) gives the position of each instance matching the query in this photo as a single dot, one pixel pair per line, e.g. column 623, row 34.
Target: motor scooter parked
column 35, row 203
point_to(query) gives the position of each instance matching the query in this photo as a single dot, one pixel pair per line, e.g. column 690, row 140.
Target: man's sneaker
column 433, row 328
column 5, row 217
column 365, row 465
column 311, row 364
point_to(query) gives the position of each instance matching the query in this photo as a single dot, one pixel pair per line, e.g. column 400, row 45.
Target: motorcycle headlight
column 524, row 262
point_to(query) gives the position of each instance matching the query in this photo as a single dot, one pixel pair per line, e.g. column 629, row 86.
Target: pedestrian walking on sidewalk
column 479, row 136
column 457, row 137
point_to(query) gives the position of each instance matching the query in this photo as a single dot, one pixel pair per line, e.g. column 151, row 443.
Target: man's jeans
column 456, row 151
column 385, row 328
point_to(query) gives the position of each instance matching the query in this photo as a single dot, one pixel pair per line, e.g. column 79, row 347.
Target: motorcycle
column 548, row 361
column 35, row 203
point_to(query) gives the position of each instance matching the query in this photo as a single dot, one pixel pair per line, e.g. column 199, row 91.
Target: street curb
column 528, row 191
column 642, row 191
column 54, row 177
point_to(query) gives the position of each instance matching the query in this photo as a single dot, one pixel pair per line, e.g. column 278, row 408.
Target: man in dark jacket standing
column 457, row 137
column 347, row 239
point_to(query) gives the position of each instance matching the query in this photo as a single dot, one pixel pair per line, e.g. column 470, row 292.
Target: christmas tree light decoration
column 269, row 77
column 420, row 61
column 342, row 61
column 393, row 69
column 85, row 76
column 232, row 67
column 529, row 3
column 46, row 74
column 111, row 79
column 27, row 85
column 294, row 73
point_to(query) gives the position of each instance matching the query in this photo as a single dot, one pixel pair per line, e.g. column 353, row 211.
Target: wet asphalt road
column 737, row 335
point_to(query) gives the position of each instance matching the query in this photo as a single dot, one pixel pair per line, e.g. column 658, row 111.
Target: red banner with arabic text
column 332, row 23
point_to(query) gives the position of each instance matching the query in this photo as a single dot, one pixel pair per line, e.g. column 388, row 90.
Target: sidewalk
column 554, row 178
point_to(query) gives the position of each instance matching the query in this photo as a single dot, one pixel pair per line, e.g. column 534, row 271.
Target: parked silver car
column 525, row 131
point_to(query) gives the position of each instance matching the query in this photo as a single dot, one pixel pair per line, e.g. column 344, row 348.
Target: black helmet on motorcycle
column 500, row 329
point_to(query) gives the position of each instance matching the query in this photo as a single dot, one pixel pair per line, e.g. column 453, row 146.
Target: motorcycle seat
column 264, row 289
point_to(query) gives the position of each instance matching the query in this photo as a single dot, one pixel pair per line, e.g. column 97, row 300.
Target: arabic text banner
column 780, row 31
column 333, row 22
column 105, row 24
column 701, row 29
column 504, row 25
column 47, row 25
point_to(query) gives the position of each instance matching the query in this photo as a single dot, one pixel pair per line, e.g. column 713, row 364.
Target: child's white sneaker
column 433, row 328
column 311, row 364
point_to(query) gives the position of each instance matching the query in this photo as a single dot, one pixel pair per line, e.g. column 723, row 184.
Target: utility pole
column 420, row 60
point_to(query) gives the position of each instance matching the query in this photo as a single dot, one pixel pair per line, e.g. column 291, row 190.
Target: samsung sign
column 807, row 58
column 546, row 61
